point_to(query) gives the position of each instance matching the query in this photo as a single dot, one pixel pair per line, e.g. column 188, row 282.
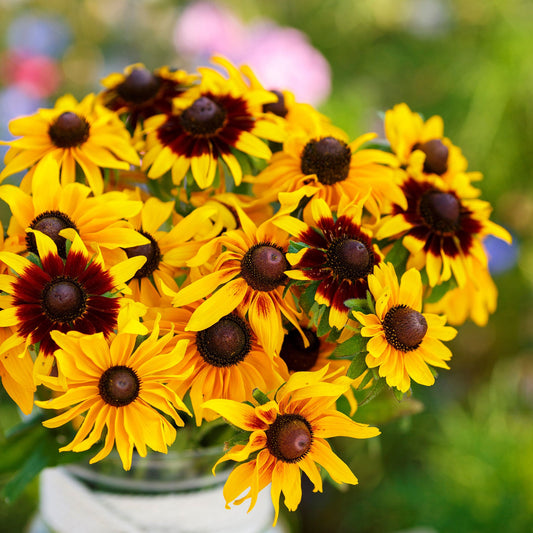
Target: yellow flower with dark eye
column 120, row 387
column 403, row 341
column 210, row 122
column 288, row 436
column 84, row 135
column 248, row 274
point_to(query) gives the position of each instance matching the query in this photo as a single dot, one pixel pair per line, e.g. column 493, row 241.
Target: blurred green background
column 465, row 463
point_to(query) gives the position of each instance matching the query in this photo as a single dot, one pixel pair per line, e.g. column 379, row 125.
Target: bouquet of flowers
column 195, row 254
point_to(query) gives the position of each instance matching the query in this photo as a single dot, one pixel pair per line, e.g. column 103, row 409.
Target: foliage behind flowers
column 194, row 253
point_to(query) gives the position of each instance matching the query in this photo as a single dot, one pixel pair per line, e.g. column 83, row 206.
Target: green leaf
column 438, row 292
column 323, row 327
column 398, row 256
column 295, row 247
column 349, row 348
column 397, row 394
column 307, row 298
column 358, row 304
column 357, row 366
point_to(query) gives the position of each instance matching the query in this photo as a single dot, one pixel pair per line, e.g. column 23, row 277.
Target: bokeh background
column 465, row 462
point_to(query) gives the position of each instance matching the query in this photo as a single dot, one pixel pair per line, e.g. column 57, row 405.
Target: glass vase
column 172, row 493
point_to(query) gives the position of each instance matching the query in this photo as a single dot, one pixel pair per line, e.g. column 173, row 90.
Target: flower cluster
column 186, row 248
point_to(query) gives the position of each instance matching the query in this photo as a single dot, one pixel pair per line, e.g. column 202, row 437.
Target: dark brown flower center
column 204, row 117
column 328, row 158
column 50, row 223
column 441, row 211
column 289, row 438
column 149, row 250
column 119, row 386
column 139, row 86
column 436, row 151
column 297, row 357
column 263, row 267
column 350, row 259
column 278, row 108
column 69, row 130
column 404, row 328
column 63, row 300
column 225, row 343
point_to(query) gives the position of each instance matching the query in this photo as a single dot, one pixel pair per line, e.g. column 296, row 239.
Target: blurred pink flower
column 204, row 28
column 282, row 58
column 37, row 75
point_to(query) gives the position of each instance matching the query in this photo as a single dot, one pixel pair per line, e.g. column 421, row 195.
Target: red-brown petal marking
column 119, row 386
column 441, row 211
column 289, row 438
column 436, row 151
column 139, row 86
column 263, row 267
column 328, row 158
column 63, row 300
column 69, row 130
column 225, row 343
column 404, row 328
column 204, row 117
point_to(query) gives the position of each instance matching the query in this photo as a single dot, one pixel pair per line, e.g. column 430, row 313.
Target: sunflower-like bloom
column 210, row 122
column 248, row 274
column 288, row 435
column 226, row 359
column 166, row 251
column 84, row 134
column 422, row 149
column 52, row 207
column 120, row 387
column 328, row 167
column 441, row 229
column 139, row 93
column 52, row 293
column 403, row 340
column 337, row 254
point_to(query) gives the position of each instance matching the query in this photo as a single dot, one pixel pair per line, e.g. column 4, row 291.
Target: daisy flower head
column 50, row 293
column 422, row 149
column 117, row 386
column 140, row 93
column 329, row 167
column 403, row 341
column 287, row 435
column 50, row 207
column 249, row 274
column 441, row 229
column 225, row 359
column 209, row 124
column 336, row 254
column 76, row 134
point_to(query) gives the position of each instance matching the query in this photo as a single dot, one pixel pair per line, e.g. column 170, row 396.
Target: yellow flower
column 84, row 134
column 52, row 207
column 76, row 293
column 403, row 340
column 118, row 387
column 209, row 122
column 226, row 360
column 288, row 435
column 441, row 229
column 248, row 274
column 140, row 93
column 328, row 167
